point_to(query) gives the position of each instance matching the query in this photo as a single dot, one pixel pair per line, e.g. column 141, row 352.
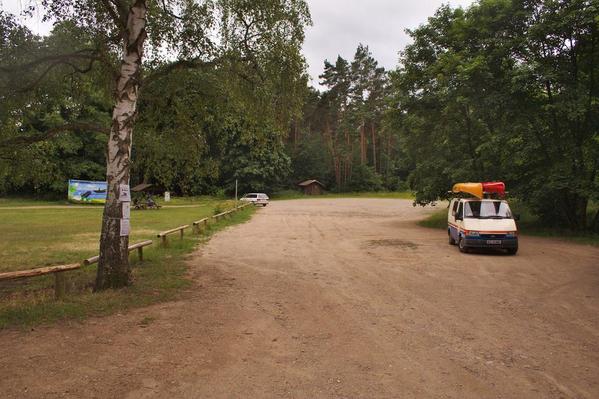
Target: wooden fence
column 163, row 235
column 139, row 246
column 59, row 270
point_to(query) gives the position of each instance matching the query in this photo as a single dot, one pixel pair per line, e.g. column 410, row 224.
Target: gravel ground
column 336, row 298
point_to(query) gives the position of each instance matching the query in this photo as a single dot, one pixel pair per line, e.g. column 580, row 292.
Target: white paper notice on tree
column 124, row 193
column 126, row 210
column 125, row 227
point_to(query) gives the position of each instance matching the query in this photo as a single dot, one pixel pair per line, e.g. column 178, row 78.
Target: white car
column 256, row 198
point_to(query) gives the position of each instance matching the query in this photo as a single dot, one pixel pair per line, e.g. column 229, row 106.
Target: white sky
column 338, row 27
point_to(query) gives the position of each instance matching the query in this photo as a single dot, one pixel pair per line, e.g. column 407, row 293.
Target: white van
column 482, row 223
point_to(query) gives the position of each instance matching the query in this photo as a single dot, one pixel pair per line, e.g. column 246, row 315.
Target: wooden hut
column 312, row 187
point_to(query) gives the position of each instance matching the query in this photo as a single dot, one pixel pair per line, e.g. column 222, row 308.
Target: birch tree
column 165, row 35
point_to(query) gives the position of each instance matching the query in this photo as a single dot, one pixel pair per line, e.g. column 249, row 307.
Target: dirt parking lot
column 336, row 298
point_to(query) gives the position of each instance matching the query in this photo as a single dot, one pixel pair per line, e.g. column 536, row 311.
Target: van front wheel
column 462, row 246
column 451, row 240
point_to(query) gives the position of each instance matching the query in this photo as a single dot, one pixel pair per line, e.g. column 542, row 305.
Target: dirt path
column 340, row 298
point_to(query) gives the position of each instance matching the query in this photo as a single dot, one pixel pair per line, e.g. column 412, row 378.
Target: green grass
column 39, row 237
column 528, row 225
column 436, row 220
column 292, row 194
column 23, row 202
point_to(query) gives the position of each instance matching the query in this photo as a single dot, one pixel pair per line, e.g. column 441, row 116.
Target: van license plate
column 494, row 242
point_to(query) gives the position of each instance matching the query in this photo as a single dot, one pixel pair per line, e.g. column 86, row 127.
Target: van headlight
column 473, row 234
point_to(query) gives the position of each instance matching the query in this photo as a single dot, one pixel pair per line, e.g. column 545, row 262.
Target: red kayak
column 496, row 187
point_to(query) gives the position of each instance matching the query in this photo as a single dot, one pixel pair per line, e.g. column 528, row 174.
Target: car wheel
column 451, row 240
column 462, row 246
column 512, row 251
column 263, row 205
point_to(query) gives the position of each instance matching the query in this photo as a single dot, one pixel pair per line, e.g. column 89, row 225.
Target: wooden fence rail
column 220, row 215
column 203, row 223
column 139, row 246
column 164, row 234
column 197, row 225
column 58, row 271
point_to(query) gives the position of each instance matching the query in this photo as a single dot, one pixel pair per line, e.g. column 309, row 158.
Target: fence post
column 164, row 243
column 181, row 231
column 140, row 253
column 59, row 285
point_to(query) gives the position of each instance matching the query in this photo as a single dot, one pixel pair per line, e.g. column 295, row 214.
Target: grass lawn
column 292, row 194
column 38, row 237
column 21, row 202
column 527, row 225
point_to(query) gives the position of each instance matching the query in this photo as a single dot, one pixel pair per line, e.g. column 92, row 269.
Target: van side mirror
column 459, row 216
column 517, row 217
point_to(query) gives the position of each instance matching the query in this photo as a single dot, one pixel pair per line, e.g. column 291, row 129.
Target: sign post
column 235, row 190
column 125, row 200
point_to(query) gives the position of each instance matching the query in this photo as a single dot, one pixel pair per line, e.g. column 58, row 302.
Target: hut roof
column 308, row 182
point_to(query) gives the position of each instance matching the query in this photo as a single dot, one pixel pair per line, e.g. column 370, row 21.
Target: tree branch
column 179, row 65
column 84, row 54
column 114, row 13
column 51, row 133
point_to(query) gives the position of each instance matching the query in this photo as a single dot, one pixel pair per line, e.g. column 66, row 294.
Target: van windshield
column 487, row 210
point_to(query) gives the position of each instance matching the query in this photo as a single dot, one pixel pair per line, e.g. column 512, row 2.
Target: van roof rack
column 481, row 190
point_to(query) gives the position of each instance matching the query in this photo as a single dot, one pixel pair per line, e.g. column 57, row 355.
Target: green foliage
column 310, row 159
column 504, row 91
column 32, row 165
column 222, row 81
column 343, row 130
column 364, row 178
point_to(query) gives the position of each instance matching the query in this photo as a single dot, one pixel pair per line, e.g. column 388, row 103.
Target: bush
column 364, row 178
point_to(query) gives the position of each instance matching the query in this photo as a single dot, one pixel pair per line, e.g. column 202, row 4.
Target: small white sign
column 167, row 196
column 124, row 193
column 125, row 227
column 126, row 210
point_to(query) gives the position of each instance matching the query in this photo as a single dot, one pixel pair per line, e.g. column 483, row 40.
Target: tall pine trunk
column 362, row 144
column 113, row 265
column 373, row 135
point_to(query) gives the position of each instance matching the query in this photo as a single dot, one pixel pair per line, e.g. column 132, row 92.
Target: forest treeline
column 503, row 90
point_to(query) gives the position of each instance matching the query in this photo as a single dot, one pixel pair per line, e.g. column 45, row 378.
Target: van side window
column 460, row 211
column 455, row 208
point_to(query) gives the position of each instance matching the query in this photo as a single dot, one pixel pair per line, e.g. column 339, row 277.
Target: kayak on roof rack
column 480, row 190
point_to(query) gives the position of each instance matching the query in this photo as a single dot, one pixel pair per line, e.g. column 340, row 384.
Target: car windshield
column 487, row 210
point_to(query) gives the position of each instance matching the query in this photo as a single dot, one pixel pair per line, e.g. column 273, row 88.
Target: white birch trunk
column 113, row 264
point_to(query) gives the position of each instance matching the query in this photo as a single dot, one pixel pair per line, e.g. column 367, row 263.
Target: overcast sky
column 339, row 25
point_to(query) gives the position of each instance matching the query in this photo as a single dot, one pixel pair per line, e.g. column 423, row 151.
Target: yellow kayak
column 475, row 189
